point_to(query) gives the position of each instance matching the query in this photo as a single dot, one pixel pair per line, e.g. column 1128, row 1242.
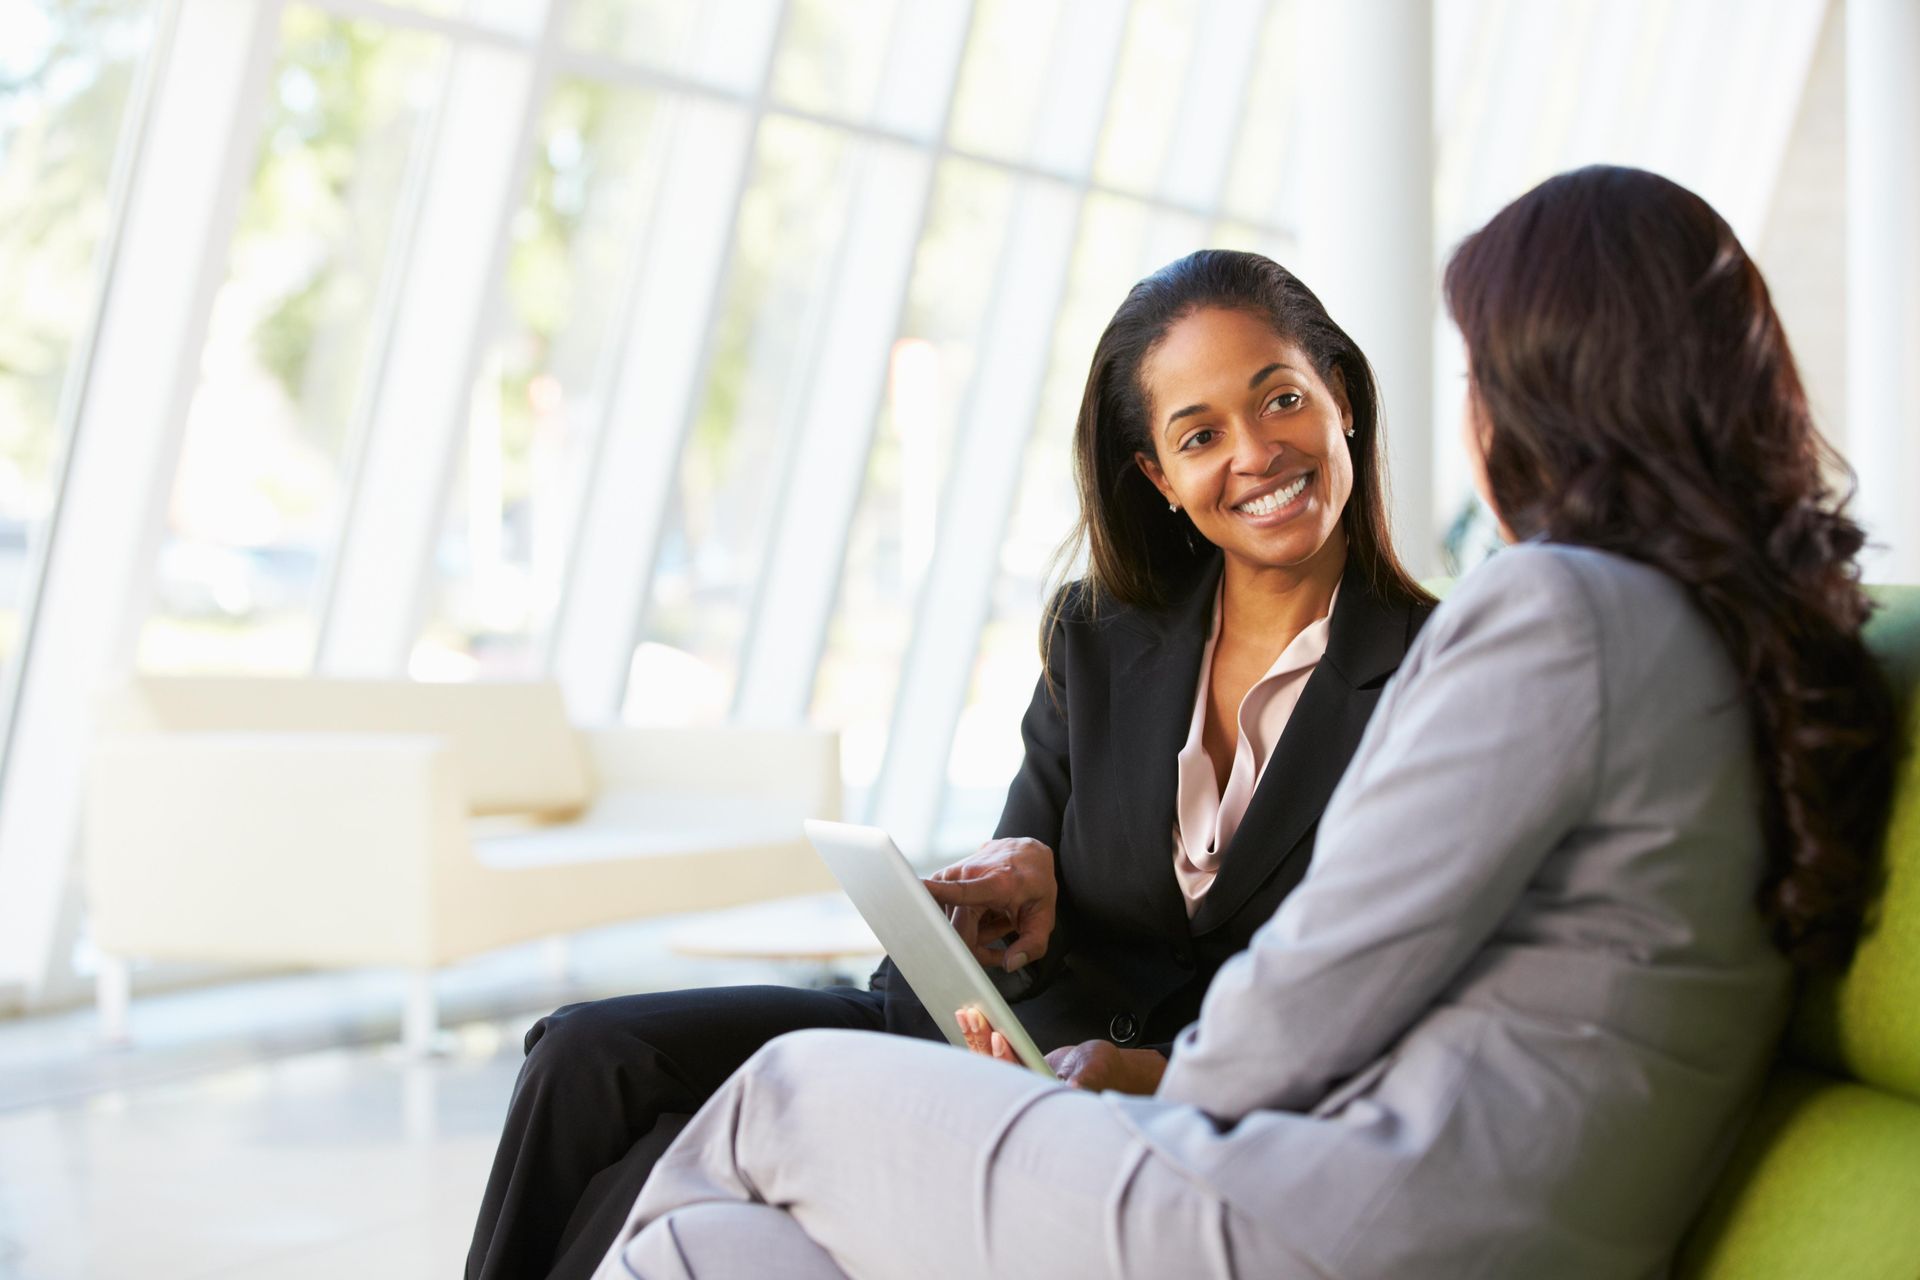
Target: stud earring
column 1173, row 506
column 1349, row 433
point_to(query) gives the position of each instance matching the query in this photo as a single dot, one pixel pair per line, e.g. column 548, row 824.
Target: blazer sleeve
column 1483, row 756
column 1037, row 799
column 1036, row 804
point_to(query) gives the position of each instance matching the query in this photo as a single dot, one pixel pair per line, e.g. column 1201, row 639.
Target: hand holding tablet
column 922, row 943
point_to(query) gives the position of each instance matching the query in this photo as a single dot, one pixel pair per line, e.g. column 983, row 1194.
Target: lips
column 1265, row 504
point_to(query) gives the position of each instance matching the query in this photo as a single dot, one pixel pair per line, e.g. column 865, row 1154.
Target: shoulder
column 1538, row 589
column 1524, row 618
column 1073, row 603
column 1074, row 612
column 1080, row 612
column 1637, row 622
column 1083, row 631
column 1576, row 585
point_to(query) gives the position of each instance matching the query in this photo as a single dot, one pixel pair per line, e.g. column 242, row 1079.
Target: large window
column 293, row 348
column 741, row 447
column 984, row 181
column 1152, row 128
column 67, row 73
column 891, row 545
column 717, row 359
column 540, row 401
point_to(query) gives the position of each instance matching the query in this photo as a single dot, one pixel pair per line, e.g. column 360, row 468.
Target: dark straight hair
column 1138, row 552
column 1637, row 395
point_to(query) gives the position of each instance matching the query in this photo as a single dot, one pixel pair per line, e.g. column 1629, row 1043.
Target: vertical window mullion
column 125, row 444
column 654, row 404
column 891, row 204
column 982, row 480
column 442, row 323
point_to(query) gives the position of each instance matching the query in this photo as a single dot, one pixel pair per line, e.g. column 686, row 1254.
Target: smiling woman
column 1222, row 630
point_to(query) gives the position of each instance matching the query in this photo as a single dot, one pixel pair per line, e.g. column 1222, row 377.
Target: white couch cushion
column 637, row 824
column 515, row 750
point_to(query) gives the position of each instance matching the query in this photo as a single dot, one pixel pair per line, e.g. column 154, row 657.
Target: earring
column 1349, row 433
column 1173, row 506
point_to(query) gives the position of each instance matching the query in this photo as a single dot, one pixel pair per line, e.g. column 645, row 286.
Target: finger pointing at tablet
column 1006, row 887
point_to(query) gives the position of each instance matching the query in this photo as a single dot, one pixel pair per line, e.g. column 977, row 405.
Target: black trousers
column 604, row 1089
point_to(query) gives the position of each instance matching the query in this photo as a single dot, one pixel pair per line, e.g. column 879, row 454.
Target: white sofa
column 340, row 823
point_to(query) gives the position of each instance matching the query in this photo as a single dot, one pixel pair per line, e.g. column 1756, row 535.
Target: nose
column 1254, row 451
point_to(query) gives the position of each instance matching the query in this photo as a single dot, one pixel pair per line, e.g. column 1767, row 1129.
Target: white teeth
column 1272, row 502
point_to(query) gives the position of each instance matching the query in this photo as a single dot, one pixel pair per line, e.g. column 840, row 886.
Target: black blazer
column 1098, row 787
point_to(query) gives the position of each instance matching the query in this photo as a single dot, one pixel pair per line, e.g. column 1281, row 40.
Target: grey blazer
column 1510, row 1021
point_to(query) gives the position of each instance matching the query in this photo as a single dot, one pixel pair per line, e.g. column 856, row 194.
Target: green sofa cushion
column 1826, row 1183
column 1865, row 1025
column 1826, row 1180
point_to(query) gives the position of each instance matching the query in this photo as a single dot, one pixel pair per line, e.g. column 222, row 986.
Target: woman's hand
column 1101, row 1064
column 1007, row 887
column 1092, row 1064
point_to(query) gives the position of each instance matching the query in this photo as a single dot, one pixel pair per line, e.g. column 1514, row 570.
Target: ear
column 1337, row 383
column 1150, row 467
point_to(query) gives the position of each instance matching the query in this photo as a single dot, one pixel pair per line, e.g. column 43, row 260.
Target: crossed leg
column 841, row 1153
column 740, row 1239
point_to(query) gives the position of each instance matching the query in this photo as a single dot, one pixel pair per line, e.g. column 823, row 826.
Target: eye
column 1285, row 400
column 1198, row 438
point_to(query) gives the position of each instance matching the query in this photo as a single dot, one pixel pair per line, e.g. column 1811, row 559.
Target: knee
column 582, row 1038
column 805, row 1052
column 797, row 1068
column 727, row 1239
column 655, row 1253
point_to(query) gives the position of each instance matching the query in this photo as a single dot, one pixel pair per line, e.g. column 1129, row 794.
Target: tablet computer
column 919, row 938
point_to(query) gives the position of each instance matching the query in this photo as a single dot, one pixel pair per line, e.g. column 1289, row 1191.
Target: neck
column 1274, row 603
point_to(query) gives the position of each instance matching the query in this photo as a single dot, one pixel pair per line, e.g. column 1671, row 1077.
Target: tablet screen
column 917, row 934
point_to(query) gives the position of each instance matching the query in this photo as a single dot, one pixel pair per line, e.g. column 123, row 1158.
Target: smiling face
column 1248, row 440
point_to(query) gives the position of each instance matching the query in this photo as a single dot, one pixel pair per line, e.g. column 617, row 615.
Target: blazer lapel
column 1151, row 708
column 1367, row 636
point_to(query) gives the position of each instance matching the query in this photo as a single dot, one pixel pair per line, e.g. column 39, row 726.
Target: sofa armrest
column 289, row 847
column 798, row 765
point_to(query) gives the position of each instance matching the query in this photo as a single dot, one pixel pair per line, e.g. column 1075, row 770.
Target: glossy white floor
column 273, row 1129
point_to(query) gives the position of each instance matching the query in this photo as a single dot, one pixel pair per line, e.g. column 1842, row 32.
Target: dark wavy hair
column 1137, row 551
column 1639, row 396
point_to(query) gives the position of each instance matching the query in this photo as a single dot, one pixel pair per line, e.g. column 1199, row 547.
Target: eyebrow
column 1252, row 382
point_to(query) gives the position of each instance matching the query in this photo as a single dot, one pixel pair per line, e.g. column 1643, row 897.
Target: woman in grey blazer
column 1509, row 1022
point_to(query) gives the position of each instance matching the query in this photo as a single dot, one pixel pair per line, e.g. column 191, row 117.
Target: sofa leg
column 420, row 1021
column 113, row 998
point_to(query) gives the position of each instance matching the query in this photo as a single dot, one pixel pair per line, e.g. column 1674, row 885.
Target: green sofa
column 1826, row 1180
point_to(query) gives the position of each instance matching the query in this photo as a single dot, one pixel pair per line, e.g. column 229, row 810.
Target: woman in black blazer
column 1125, row 963
column 1103, row 956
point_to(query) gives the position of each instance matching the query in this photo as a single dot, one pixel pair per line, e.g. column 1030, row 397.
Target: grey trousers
column 838, row 1154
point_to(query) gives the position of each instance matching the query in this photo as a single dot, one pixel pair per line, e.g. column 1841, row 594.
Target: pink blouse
column 1205, row 818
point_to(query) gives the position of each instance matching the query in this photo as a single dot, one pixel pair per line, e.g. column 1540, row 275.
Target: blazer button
column 1123, row 1028
column 1182, row 957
